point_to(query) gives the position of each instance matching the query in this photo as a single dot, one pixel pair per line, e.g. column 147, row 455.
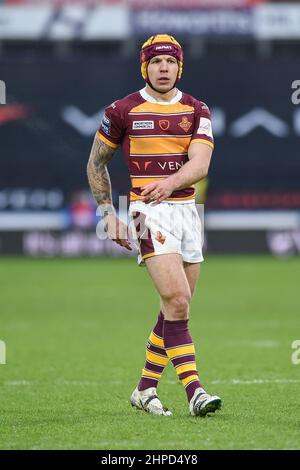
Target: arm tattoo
column 98, row 176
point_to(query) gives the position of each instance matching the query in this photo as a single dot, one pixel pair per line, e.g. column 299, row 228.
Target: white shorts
column 166, row 228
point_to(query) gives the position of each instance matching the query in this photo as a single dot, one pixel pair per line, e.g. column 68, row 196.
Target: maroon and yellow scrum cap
column 160, row 44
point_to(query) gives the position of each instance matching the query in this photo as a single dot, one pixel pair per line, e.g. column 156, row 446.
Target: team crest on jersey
column 185, row 124
column 143, row 125
column 164, row 124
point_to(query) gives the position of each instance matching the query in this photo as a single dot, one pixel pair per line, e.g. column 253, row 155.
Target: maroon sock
column 156, row 357
column 180, row 349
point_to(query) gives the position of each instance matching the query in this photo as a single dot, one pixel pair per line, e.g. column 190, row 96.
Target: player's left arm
column 199, row 154
column 195, row 169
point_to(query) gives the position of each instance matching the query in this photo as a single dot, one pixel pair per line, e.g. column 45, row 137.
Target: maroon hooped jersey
column 155, row 136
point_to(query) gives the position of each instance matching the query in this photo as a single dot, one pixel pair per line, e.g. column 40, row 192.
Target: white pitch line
column 256, row 381
column 14, row 383
column 77, row 382
column 266, row 343
column 17, row 382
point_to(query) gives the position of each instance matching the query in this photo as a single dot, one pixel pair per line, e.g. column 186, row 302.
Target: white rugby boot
column 203, row 403
column 148, row 401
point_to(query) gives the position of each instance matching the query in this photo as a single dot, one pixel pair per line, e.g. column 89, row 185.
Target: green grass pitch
column 75, row 333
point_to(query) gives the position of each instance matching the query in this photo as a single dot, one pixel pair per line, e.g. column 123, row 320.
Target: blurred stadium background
column 62, row 62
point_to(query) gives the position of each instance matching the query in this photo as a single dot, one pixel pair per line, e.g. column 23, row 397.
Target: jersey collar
column 149, row 98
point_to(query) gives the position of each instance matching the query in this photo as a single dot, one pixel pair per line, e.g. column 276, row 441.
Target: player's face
column 162, row 72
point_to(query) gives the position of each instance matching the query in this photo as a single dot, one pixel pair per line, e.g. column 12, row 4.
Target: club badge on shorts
column 160, row 237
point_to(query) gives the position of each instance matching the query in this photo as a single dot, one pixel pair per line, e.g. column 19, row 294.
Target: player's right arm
column 100, row 185
column 97, row 172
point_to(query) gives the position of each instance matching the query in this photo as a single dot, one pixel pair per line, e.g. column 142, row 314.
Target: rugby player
column 167, row 140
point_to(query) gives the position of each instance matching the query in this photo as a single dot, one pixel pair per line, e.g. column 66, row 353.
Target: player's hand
column 156, row 192
column 117, row 230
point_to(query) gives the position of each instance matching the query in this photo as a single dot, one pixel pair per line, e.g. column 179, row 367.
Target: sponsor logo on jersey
column 136, row 163
column 205, row 127
column 172, row 166
column 164, row 124
column 105, row 125
column 142, row 125
column 185, row 124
